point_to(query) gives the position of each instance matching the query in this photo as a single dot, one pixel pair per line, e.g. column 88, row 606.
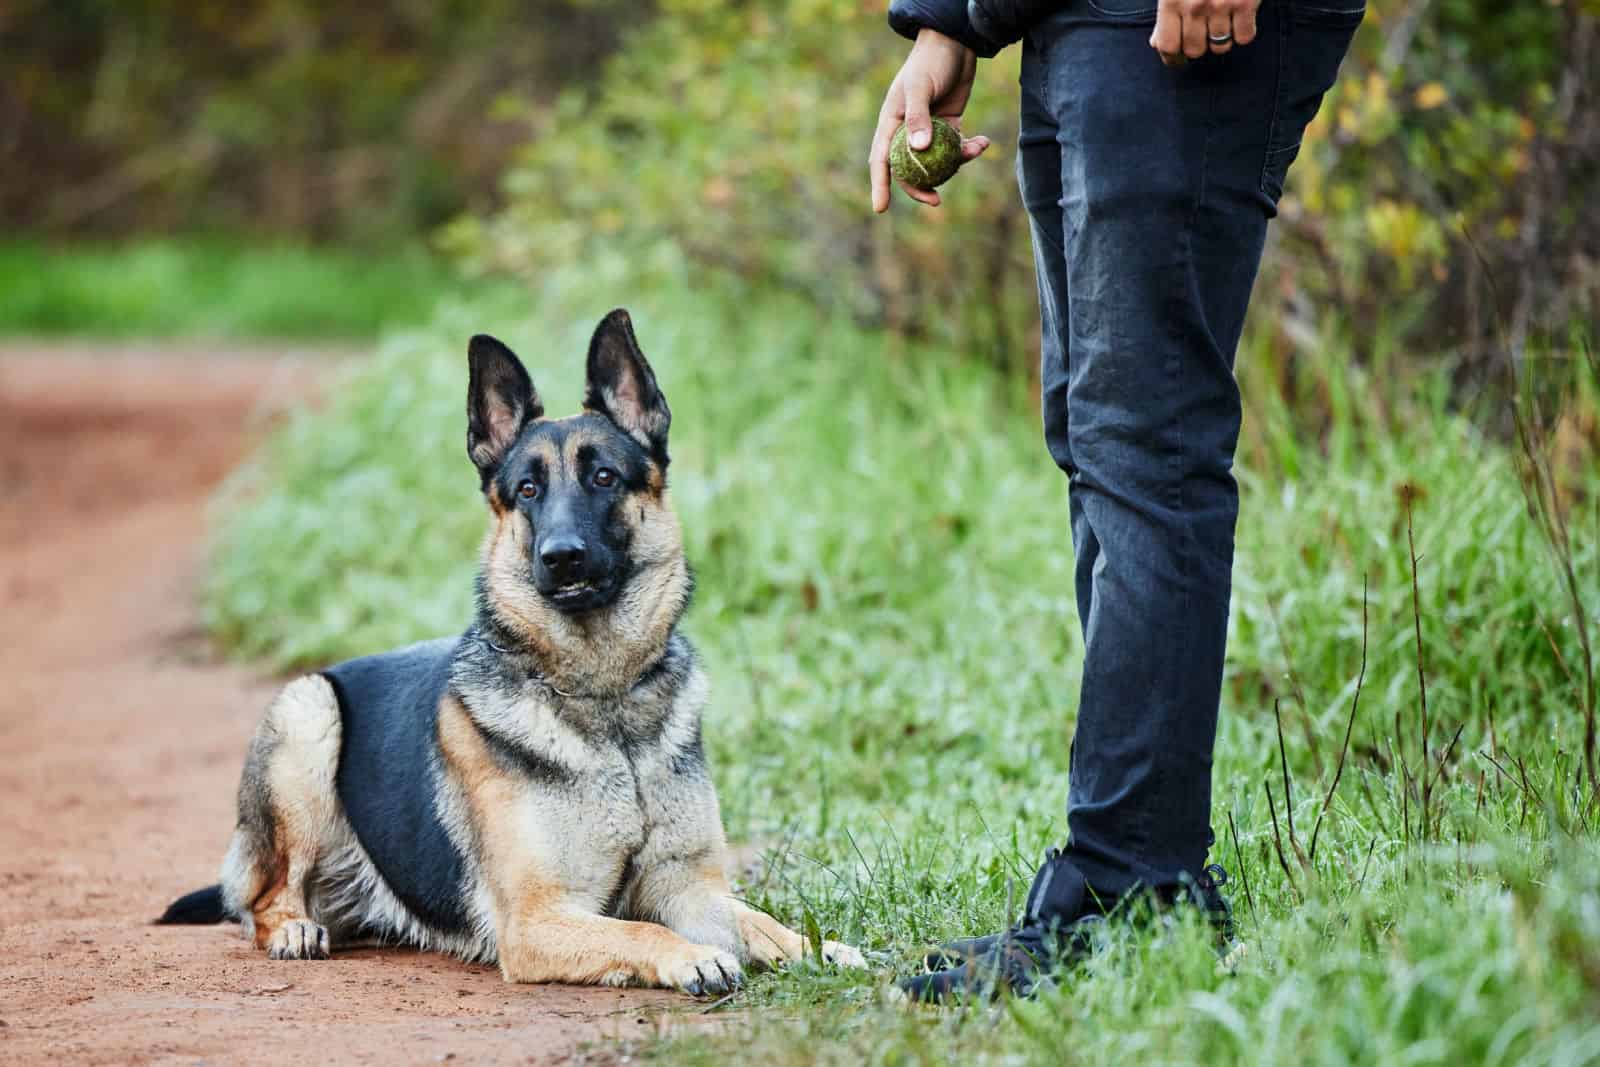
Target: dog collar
column 548, row 684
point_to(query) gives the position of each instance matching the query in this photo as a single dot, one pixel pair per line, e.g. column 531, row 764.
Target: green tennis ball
column 931, row 167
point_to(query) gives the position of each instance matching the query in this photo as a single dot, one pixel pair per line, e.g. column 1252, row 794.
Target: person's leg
column 1168, row 177
column 1149, row 190
column 1039, row 179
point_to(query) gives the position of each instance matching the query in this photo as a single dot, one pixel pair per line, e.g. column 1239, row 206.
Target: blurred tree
column 283, row 115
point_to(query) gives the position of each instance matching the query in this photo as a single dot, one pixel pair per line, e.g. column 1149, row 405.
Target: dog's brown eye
column 527, row 490
column 605, row 477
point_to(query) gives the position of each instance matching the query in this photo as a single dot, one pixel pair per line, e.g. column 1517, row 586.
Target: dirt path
column 120, row 743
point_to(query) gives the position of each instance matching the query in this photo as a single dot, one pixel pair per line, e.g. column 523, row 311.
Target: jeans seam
column 1347, row 11
column 1185, row 555
column 1059, row 240
column 1270, row 153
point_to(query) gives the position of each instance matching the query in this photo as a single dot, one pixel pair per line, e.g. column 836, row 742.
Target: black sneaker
column 955, row 953
column 1204, row 893
column 1059, row 928
column 1015, row 963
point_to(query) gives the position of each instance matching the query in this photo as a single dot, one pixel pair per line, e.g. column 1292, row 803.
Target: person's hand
column 1188, row 29
column 935, row 80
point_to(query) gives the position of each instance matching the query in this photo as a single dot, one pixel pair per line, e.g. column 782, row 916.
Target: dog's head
column 580, row 505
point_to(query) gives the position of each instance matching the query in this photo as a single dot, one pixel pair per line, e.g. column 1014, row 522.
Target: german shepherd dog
column 535, row 791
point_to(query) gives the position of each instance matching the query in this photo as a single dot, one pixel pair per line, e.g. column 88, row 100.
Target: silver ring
column 1219, row 38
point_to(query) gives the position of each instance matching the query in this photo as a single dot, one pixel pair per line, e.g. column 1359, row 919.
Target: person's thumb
column 919, row 127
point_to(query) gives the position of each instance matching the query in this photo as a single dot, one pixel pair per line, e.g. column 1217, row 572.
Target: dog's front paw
column 299, row 939
column 701, row 969
column 843, row 955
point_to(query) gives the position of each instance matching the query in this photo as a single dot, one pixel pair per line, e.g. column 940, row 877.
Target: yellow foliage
column 1431, row 95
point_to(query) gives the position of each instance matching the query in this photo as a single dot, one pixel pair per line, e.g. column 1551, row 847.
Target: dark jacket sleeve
column 1004, row 22
column 949, row 17
column 985, row 26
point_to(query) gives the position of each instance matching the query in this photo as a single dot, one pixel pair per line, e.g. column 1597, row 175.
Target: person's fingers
column 1244, row 22
column 1194, row 31
column 1167, row 38
column 1219, row 24
column 921, row 196
column 973, row 147
column 878, row 178
column 878, row 158
column 919, row 125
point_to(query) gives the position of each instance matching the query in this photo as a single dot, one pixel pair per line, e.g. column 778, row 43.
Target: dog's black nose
column 563, row 557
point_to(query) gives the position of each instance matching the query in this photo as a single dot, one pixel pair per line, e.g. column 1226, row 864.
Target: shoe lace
column 1213, row 903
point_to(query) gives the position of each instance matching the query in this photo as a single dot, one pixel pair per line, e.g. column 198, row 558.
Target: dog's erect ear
column 623, row 388
column 501, row 401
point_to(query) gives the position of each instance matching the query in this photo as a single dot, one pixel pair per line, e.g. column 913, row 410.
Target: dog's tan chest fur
column 604, row 808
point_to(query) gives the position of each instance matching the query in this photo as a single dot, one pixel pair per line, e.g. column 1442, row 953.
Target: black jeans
column 1149, row 189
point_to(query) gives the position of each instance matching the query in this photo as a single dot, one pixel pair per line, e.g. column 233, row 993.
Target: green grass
column 215, row 288
column 885, row 605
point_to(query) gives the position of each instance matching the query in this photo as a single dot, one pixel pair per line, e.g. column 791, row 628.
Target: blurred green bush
column 1441, row 203
column 287, row 117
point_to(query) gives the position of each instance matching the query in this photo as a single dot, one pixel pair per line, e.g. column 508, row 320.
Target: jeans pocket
column 1137, row 11
column 1316, row 34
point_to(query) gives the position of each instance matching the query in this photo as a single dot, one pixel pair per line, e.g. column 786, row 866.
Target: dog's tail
column 200, row 908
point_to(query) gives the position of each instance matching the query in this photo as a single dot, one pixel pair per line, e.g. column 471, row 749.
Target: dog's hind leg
column 288, row 809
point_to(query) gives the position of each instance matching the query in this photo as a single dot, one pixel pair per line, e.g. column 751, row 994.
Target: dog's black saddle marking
column 389, row 775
